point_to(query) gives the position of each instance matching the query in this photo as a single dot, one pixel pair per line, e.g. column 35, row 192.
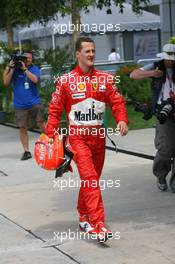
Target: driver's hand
column 122, row 127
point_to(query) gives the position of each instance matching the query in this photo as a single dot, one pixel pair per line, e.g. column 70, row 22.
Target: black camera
column 17, row 58
column 145, row 109
column 164, row 112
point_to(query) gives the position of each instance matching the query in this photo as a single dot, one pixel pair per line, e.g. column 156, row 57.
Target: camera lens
column 164, row 113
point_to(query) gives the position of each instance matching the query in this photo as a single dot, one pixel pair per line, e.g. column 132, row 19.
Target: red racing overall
column 84, row 97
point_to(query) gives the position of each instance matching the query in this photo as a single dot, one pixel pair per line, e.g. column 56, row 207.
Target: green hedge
column 133, row 90
column 136, row 120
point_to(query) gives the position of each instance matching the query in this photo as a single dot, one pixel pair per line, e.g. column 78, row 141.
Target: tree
column 23, row 12
column 137, row 5
column 73, row 7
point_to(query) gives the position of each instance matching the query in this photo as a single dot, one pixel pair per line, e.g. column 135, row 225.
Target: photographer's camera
column 165, row 111
column 18, row 59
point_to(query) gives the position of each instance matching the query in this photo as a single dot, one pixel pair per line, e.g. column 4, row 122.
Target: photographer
column 163, row 106
column 24, row 76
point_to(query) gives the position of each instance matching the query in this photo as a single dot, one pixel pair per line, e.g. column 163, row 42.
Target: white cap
column 167, row 48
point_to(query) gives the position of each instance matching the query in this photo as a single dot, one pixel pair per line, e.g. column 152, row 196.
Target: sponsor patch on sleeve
column 95, row 86
column 102, row 88
column 81, row 87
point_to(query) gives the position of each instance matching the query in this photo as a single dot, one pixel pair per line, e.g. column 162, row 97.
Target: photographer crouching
column 24, row 76
column 163, row 106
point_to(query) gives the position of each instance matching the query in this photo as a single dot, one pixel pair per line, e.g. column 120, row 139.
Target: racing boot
column 103, row 233
column 85, row 226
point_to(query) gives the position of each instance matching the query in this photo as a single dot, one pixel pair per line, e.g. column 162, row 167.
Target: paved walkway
column 38, row 217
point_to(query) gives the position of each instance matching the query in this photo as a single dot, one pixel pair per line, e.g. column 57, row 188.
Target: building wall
column 62, row 41
column 43, row 43
column 122, row 42
column 128, row 45
column 102, row 46
column 167, row 11
column 146, row 44
column 104, row 43
column 141, row 44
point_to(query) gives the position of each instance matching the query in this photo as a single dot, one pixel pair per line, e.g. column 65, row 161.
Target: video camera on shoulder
column 18, row 58
column 166, row 110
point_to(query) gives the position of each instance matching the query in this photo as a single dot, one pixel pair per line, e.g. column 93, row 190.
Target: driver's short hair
column 79, row 41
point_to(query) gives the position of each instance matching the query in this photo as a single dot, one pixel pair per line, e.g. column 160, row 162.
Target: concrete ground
column 38, row 218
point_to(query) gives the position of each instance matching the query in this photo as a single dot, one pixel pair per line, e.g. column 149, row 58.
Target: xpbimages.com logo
column 86, row 131
column 101, row 28
column 62, row 184
column 78, row 235
column 94, row 80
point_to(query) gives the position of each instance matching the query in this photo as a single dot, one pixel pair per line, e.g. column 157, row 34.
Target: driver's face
column 86, row 56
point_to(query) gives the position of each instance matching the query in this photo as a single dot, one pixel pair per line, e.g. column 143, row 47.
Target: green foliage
column 56, row 58
column 59, row 60
column 136, row 120
column 5, row 48
column 137, row 5
column 5, row 93
column 22, row 12
column 172, row 40
column 133, row 90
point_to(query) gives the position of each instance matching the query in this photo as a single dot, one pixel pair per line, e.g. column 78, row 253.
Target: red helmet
column 49, row 155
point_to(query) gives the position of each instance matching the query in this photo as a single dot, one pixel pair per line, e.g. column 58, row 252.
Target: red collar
column 80, row 71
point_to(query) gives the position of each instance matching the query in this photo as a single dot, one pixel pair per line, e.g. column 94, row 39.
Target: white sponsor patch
column 57, row 91
column 102, row 88
column 78, row 95
column 54, row 98
column 87, row 112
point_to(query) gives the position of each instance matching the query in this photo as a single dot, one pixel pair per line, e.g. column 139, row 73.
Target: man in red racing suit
column 83, row 93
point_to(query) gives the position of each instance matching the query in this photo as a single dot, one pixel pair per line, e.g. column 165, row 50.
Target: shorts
column 22, row 116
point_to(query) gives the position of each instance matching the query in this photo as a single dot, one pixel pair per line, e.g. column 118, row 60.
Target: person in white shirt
column 114, row 56
column 163, row 103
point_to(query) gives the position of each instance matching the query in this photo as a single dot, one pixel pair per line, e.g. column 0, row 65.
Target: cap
column 168, row 52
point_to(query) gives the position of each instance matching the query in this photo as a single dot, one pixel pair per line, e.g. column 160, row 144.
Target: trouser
column 164, row 161
column 36, row 112
column 89, row 158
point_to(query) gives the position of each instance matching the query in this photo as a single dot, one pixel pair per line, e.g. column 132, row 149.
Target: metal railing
column 103, row 65
column 144, row 61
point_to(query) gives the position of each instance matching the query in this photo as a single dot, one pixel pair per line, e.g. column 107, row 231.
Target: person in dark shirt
column 163, row 86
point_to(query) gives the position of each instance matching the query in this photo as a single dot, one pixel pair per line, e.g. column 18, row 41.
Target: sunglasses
column 170, row 53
